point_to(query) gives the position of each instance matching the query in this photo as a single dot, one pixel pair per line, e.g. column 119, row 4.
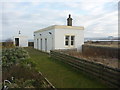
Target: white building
column 20, row 40
column 59, row 37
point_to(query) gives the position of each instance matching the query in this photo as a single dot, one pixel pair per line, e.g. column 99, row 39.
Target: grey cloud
column 28, row 20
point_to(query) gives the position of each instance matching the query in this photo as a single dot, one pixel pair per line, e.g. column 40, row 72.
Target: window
column 67, row 40
column 72, row 40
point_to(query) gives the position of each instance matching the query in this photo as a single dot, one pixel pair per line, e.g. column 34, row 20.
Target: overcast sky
column 99, row 17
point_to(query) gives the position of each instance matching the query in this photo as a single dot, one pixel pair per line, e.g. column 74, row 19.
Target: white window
column 72, row 40
column 69, row 40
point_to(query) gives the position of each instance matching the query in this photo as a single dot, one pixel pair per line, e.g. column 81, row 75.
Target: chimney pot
column 69, row 20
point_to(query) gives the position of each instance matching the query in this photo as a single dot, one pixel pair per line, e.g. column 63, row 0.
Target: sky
column 99, row 17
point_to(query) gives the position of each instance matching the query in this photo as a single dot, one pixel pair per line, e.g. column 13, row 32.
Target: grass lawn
column 60, row 74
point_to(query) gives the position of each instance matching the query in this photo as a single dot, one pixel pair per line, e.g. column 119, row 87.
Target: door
column 46, row 44
column 41, row 44
column 37, row 43
column 16, row 41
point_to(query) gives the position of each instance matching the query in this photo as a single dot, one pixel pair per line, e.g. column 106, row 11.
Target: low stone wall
column 105, row 74
column 4, row 44
column 112, row 52
column 103, row 42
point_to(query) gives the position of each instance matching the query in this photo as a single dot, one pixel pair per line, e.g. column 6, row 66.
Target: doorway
column 46, row 44
column 37, row 43
column 41, row 44
column 16, row 41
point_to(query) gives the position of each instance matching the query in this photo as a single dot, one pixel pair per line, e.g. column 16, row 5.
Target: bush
column 16, row 64
column 8, row 43
column 12, row 56
column 24, row 77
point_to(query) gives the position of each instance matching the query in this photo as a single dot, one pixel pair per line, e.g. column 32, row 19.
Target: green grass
column 60, row 74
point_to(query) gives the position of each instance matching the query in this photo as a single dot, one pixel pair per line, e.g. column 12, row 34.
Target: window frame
column 69, row 41
column 72, row 40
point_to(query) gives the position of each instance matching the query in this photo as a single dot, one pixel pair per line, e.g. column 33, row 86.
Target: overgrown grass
column 59, row 74
column 104, row 45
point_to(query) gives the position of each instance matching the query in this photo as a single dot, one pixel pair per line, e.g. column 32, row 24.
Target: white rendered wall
column 60, row 38
column 23, row 41
column 44, row 35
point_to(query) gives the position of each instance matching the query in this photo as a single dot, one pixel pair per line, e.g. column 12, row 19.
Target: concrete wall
column 60, row 38
column 23, row 41
column 56, row 40
column 44, row 35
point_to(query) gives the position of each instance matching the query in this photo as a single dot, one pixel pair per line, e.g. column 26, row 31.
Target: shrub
column 8, row 43
column 16, row 64
column 12, row 56
column 24, row 77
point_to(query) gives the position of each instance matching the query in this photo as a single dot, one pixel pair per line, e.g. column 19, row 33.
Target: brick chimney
column 69, row 21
